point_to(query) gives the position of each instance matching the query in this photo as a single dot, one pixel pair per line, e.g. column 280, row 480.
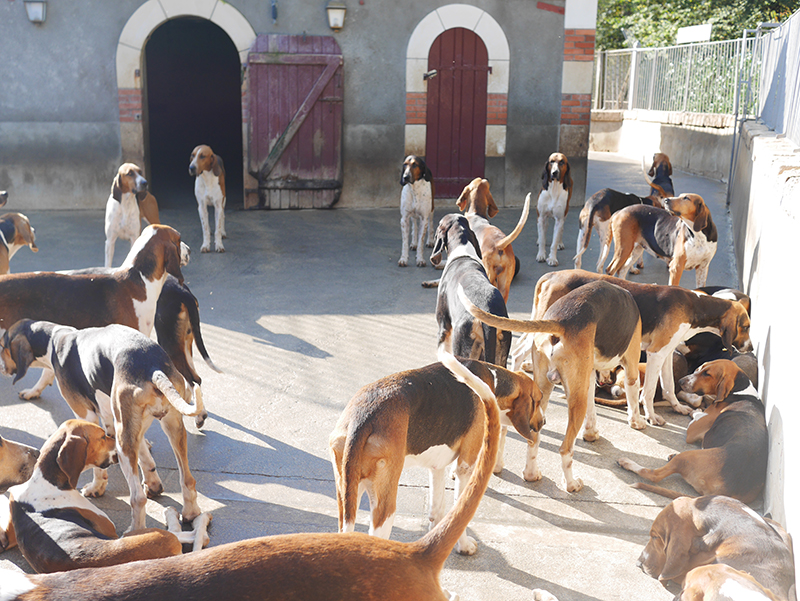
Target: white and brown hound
column 478, row 206
column 553, row 203
column 596, row 327
column 416, row 208
column 683, row 234
column 597, row 211
column 16, row 464
column 421, row 418
column 293, row 566
column 58, row 529
column 209, row 189
column 459, row 332
column 15, row 232
column 128, row 202
column 121, row 376
column 717, row 530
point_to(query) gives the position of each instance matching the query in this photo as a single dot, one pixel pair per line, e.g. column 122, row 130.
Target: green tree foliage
column 655, row 22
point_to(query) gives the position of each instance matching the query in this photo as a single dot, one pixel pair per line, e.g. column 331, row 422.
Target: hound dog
column 209, row 189
column 683, row 234
column 478, row 206
column 127, row 296
column 128, row 202
column 595, row 327
column 553, row 202
column 670, row 315
column 711, row 530
column 420, row 418
column 15, row 232
column 58, row 529
column 119, row 375
column 597, row 211
column 16, row 464
column 292, row 566
column 733, row 432
column 459, row 332
column 416, row 208
column 177, row 325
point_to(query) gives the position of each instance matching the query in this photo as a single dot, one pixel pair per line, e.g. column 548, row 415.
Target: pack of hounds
column 602, row 338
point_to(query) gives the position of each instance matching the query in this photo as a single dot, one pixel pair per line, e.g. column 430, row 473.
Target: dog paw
column 498, row 466
column 541, row 257
column 560, row 246
column 656, row 420
column 205, row 248
column 29, row 394
column 682, row 409
column 429, row 244
column 575, row 485
column 413, row 247
column 591, row 435
column 637, row 423
column 542, row 595
column 153, row 490
column 200, row 420
column 422, row 263
column 402, row 263
column 532, row 475
column 467, row 546
column 552, row 262
column 634, row 270
column 190, row 512
column 219, row 248
column 94, row 489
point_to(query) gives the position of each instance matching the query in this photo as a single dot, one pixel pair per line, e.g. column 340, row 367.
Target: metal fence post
column 632, row 81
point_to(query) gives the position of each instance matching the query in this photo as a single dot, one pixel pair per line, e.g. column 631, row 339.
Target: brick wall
column 578, row 47
column 416, row 108
column 130, row 105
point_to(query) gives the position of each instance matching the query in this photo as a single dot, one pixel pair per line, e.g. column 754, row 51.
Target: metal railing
column 779, row 86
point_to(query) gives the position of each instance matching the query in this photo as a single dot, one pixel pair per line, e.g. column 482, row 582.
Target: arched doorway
column 192, row 95
column 456, row 120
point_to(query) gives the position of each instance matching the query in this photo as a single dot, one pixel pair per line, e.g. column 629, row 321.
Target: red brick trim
column 497, row 109
column 579, row 44
column 576, row 109
column 416, row 108
column 550, row 7
column 130, row 105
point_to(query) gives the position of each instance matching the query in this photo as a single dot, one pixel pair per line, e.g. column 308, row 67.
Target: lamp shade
column 37, row 10
column 336, row 10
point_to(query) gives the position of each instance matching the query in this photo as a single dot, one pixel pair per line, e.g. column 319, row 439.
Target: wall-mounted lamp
column 37, row 11
column 336, row 10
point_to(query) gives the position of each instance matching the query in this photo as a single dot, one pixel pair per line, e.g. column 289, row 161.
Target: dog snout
column 686, row 383
column 192, row 169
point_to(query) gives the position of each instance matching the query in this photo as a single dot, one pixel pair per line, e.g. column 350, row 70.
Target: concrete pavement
column 308, row 306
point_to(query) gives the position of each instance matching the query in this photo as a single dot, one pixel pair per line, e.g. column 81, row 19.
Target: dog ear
column 402, row 173
column 439, row 245
column 725, row 386
column 474, row 239
column 29, row 236
column 568, row 179
column 520, row 415
column 676, row 555
column 546, row 176
column 426, row 172
column 461, row 202
column 216, row 167
column 72, row 457
column 701, row 218
column 172, row 259
column 22, row 354
column 491, row 207
column 116, row 188
column 652, row 172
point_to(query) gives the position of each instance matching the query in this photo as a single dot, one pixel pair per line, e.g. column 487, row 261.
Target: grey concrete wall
column 765, row 210
column 698, row 144
column 60, row 140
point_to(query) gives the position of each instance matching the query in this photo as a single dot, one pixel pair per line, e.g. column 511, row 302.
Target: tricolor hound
column 416, row 208
column 733, row 433
column 683, row 234
column 459, row 332
column 128, row 202
column 292, row 566
column 58, row 529
column 209, row 189
column 16, row 464
column 478, row 206
column 127, row 296
column 670, row 315
column 422, row 418
column 595, row 327
column 15, row 232
column 714, row 531
column 121, row 376
column 597, row 211
column 553, row 202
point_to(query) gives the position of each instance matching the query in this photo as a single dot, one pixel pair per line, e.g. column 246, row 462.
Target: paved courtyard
column 308, row 306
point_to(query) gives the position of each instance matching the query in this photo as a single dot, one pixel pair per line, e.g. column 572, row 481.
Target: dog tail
column 349, row 477
column 584, row 234
column 652, row 184
column 504, row 323
column 435, row 546
column 518, row 229
column 193, row 309
column 163, row 383
column 659, row 490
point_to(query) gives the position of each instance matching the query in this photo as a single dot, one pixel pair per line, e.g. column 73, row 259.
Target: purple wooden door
column 295, row 99
column 456, row 112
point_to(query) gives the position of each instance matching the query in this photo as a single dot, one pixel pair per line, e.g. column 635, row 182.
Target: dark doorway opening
column 193, row 96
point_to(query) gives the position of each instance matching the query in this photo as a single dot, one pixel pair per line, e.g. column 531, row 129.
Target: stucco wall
column 698, row 144
column 765, row 208
column 60, row 139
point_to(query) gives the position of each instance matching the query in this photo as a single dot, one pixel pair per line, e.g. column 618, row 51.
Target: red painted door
column 456, row 110
column 295, row 91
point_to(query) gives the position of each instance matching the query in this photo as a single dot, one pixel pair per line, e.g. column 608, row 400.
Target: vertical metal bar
column 688, row 76
column 652, row 82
